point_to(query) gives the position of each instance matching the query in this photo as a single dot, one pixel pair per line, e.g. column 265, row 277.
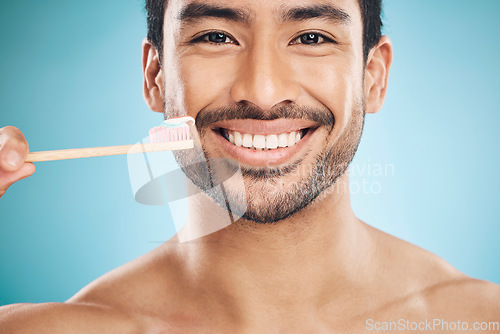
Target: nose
column 265, row 79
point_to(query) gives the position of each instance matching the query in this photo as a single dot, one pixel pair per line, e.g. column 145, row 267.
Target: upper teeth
column 260, row 142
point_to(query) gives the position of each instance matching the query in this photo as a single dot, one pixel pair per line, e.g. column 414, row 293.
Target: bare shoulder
column 117, row 302
column 430, row 286
column 64, row 318
column 466, row 297
column 140, row 286
column 447, row 291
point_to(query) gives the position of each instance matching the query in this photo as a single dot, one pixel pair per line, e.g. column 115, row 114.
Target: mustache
column 207, row 117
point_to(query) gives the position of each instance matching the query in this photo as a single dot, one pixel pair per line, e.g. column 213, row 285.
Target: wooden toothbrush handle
column 78, row 153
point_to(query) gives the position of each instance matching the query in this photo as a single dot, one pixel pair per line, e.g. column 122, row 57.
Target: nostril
column 265, row 95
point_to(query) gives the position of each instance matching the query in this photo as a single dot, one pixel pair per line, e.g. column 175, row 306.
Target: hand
column 13, row 152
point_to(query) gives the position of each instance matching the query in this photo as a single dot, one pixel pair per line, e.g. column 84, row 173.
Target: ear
column 377, row 74
column 153, row 77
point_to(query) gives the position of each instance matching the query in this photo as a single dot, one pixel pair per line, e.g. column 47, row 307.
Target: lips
column 263, row 143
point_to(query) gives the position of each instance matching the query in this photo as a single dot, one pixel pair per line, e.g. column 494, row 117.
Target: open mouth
column 265, row 143
column 260, row 142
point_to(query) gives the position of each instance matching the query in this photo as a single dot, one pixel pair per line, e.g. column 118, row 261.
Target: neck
column 319, row 253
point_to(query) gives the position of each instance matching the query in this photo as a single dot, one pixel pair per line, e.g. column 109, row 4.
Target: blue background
column 70, row 76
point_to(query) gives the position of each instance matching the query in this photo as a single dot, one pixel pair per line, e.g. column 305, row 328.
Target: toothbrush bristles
column 162, row 134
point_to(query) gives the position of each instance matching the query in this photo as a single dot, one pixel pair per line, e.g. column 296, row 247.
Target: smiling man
column 281, row 88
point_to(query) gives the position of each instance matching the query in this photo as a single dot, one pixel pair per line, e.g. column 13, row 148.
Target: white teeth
column 259, row 141
column 271, row 141
column 238, row 140
column 247, row 140
column 283, row 140
column 291, row 139
column 262, row 142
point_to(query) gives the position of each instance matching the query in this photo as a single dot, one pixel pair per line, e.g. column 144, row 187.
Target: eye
column 312, row 38
column 215, row 37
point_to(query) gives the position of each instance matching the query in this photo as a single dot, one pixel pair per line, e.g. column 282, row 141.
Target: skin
column 13, row 151
column 320, row 270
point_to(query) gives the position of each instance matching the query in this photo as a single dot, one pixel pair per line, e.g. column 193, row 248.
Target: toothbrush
column 173, row 134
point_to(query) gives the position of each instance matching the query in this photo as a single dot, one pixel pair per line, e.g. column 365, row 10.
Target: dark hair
column 371, row 11
column 371, row 15
column 155, row 10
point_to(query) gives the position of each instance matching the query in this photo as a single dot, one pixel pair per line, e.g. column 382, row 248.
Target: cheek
column 206, row 83
column 334, row 83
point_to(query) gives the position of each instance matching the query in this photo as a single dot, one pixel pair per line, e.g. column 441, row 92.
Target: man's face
column 276, row 86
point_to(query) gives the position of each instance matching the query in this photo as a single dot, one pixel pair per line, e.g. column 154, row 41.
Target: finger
column 8, row 178
column 13, row 149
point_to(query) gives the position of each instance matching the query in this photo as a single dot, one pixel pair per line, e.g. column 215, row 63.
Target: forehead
column 346, row 12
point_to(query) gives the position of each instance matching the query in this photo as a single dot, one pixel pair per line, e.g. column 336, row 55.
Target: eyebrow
column 196, row 11
column 322, row 11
